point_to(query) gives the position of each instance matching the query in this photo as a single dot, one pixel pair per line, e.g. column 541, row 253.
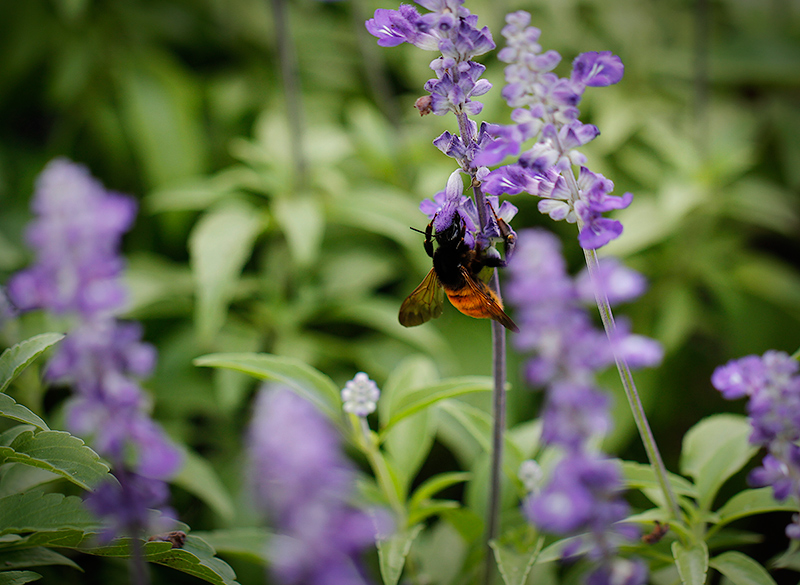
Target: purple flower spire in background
column 303, row 483
column 546, row 110
column 77, row 274
column 772, row 385
column 583, row 493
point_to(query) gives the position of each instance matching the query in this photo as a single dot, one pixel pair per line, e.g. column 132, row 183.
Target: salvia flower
column 582, row 497
column 77, row 274
column 772, row 385
column 303, row 483
column 546, row 110
column 360, row 395
column 450, row 29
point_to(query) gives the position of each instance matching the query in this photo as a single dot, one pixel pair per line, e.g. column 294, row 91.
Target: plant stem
column 291, row 86
column 499, row 426
column 498, row 406
column 631, row 392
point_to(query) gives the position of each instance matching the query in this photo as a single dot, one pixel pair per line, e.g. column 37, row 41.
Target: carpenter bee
column 456, row 270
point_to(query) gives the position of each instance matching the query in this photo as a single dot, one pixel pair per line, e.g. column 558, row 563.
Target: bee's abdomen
column 465, row 300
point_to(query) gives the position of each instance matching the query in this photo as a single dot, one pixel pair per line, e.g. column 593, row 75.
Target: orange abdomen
column 468, row 302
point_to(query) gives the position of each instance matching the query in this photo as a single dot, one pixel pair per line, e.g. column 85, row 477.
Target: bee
column 456, row 270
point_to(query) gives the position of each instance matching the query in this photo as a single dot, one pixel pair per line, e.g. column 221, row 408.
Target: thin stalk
column 631, row 393
column 291, row 86
column 365, row 439
column 498, row 428
column 498, row 408
column 138, row 566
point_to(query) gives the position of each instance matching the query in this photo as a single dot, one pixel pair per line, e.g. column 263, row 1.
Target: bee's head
column 453, row 232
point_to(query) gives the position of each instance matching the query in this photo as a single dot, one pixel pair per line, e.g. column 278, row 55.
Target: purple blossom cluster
column 546, row 110
column 77, row 274
column 583, row 494
column 302, row 481
column 772, row 385
column 450, row 29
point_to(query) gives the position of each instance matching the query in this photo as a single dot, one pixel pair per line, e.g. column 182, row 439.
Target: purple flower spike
column 302, row 482
column 76, row 235
column 772, row 384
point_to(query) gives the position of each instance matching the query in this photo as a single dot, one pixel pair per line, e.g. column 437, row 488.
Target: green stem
column 367, row 442
column 498, row 428
column 631, row 393
column 291, row 85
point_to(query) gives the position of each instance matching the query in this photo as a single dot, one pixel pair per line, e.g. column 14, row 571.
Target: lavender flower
column 583, row 493
column 451, row 30
column 772, row 384
column 360, row 395
column 76, row 235
column 546, row 109
column 301, row 480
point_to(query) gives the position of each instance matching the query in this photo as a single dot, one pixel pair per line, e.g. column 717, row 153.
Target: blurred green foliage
column 181, row 102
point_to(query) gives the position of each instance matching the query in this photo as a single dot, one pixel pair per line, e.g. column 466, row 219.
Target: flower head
column 360, row 395
column 772, row 384
column 76, row 235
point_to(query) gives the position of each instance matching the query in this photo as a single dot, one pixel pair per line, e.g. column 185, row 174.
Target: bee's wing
column 489, row 305
column 424, row 303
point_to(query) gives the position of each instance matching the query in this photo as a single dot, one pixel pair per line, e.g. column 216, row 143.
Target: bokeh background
column 242, row 245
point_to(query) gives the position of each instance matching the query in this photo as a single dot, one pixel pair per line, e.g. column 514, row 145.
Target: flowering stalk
column 77, row 275
column 582, row 497
column 772, row 385
column 360, row 398
column 452, row 30
column 303, row 483
column 628, row 385
column 546, row 109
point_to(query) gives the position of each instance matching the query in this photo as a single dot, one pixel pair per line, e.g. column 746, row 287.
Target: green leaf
column 57, row 452
column 299, row 376
column 18, row 577
column 198, row 477
column 219, row 246
column 392, row 553
column 641, row 475
column 410, row 440
column 479, row 425
column 514, row 565
column 692, row 562
column 420, row 398
column 36, row 511
column 434, row 485
column 713, row 450
column 195, row 558
column 15, row 359
column 430, row 508
column 247, row 543
column 10, row 409
column 161, row 108
column 741, row 569
column 38, row 556
column 751, row 502
column 303, row 224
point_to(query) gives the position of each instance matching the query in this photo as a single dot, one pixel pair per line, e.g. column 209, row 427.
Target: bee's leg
column 429, row 238
column 494, row 262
